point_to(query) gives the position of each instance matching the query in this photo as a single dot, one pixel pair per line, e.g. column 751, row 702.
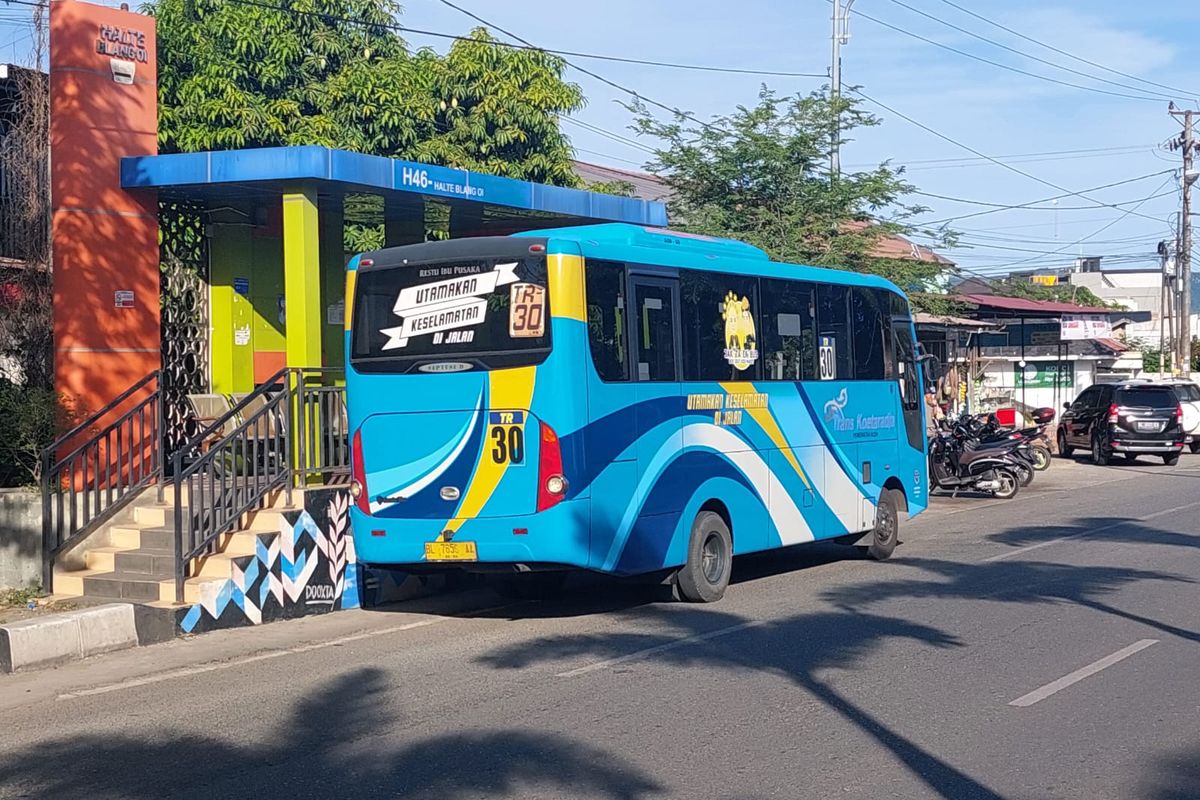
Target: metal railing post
column 48, row 543
column 180, row 566
column 289, row 432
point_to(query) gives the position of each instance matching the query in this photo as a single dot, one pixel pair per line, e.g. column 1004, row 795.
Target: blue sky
column 994, row 111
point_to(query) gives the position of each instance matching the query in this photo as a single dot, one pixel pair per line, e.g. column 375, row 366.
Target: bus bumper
column 558, row 535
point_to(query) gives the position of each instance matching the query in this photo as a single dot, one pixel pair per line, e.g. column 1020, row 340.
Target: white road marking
column 200, row 669
column 701, row 637
column 1089, row 532
column 1037, row 695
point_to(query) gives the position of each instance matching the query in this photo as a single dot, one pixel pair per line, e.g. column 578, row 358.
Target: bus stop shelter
column 275, row 223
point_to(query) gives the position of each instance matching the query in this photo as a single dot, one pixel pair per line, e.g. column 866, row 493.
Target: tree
column 761, row 175
column 236, row 74
column 1059, row 293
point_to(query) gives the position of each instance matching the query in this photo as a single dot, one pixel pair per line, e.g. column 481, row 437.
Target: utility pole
column 1183, row 253
column 841, row 35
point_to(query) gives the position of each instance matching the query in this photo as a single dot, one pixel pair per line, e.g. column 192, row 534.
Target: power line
column 1022, row 53
column 1017, row 70
column 1007, row 206
column 1094, row 233
column 961, row 159
column 601, row 78
column 616, row 137
column 1060, row 51
column 994, row 160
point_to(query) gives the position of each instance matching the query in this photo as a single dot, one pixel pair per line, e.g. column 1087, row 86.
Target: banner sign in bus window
column 445, row 305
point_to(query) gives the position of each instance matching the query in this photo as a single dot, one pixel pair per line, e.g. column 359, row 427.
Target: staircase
column 119, row 522
column 132, row 556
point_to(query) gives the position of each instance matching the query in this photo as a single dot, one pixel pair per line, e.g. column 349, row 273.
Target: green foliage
column 234, row 75
column 30, row 419
column 1060, row 293
column 1195, row 354
column 19, row 597
column 943, row 305
column 761, row 175
column 619, row 188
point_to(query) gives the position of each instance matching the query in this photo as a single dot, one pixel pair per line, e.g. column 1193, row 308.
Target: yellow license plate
column 450, row 551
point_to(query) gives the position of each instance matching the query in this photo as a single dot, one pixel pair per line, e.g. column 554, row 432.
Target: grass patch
column 19, row 597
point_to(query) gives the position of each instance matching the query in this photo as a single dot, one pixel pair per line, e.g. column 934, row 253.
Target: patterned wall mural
column 306, row 568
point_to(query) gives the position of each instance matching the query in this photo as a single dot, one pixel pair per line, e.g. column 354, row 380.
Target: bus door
column 911, row 399
column 655, row 339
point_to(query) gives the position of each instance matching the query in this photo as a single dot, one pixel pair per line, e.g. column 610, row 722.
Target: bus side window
column 866, row 322
column 789, row 339
column 606, row 319
column 719, row 322
column 653, row 327
column 833, row 327
column 906, row 364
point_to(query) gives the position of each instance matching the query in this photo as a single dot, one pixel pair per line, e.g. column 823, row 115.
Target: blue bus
column 624, row 400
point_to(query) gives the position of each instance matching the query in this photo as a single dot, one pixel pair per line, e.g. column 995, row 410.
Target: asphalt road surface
column 1045, row 647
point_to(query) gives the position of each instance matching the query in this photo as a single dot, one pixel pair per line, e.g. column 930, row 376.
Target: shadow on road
column 1174, row 777
column 327, row 749
column 1097, row 529
column 1019, row 582
column 802, row 649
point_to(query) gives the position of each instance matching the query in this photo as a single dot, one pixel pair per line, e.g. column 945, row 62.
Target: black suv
column 1123, row 418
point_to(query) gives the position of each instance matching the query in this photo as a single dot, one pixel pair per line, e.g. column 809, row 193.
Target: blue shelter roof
column 226, row 174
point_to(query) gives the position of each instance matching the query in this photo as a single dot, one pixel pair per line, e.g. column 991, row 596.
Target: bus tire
column 887, row 527
column 705, row 574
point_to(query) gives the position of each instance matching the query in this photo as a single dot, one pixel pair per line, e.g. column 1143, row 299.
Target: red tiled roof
column 1023, row 304
column 1114, row 345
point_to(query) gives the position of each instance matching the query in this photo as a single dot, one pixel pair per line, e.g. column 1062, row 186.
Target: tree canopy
column 761, row 174
column 236, row 73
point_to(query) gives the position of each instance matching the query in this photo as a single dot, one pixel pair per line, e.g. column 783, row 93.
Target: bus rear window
column 451, row 316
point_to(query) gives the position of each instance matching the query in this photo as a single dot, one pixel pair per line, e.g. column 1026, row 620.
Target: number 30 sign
column 526, row 311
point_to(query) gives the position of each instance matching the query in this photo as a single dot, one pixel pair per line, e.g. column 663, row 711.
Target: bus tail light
column 358, row 475
column 552, row 484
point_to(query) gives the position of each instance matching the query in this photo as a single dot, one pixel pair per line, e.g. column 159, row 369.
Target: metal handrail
column 130, row 448
column 268, row 451
column 91, row 420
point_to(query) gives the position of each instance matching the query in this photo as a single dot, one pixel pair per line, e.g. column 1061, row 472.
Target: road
column 1046, row 647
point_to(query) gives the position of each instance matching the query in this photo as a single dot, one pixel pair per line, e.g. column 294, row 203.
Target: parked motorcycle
column 955, row 466
column 989, row 431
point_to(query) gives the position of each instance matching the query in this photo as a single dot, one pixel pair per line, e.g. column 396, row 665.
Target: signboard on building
column 1046, row 375
column 1044, row 280
column 1085, row 326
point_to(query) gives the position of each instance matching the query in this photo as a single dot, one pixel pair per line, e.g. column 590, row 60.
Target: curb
column 70, row 636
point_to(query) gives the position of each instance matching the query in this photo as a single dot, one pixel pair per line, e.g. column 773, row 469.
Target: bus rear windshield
column 451, row 316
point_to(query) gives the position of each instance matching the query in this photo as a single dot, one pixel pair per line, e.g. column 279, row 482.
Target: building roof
column 645, row 185
column 1040, row 307
column 921, row 318
column 228, row 175
column 895, row 246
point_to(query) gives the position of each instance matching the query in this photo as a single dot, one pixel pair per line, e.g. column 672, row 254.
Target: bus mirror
column 931, row 366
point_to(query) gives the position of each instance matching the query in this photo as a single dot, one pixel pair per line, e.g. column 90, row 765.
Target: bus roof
column 638, row 244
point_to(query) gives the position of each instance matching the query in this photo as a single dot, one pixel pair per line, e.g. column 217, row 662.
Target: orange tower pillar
column 103, row 106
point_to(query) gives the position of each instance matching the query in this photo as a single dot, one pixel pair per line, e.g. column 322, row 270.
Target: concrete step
column 132, row 587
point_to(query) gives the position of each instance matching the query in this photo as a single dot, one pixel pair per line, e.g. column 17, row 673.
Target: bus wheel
column 887, row 527
column 709, row 561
